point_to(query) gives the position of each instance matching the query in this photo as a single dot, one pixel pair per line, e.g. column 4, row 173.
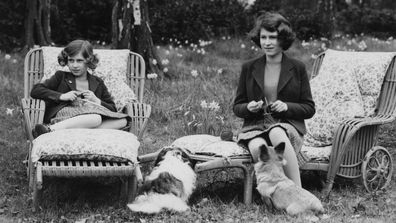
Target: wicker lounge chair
column 33, row 113
column 354, row 149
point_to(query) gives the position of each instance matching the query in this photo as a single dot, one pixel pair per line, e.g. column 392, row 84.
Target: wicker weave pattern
column 33, row 113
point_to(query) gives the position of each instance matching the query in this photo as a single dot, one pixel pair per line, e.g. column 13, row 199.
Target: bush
column 196, row 19
column 377, row 22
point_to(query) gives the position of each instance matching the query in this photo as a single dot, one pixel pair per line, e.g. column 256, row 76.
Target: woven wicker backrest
column 387, row 99
column 34, row 68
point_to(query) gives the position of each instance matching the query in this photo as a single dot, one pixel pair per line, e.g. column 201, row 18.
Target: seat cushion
column 112, row 69
column 209, row 145
column 86, row 144
column 316, row 153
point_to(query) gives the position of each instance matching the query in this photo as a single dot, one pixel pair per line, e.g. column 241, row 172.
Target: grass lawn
column 206, row 71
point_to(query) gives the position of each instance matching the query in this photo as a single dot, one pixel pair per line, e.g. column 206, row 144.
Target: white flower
column 179, row 55
column 158, row 47
column 165, row 62
column 220, row 71
column 7, row 56
column 103, row 43
column 167, row 52
column 204, row 104
column 165, row 70
column 14, row 61
column 243, row 46
column 152, row 76
column 214, row 105
column 9, row 111
column 194, row 73
column 154, row 62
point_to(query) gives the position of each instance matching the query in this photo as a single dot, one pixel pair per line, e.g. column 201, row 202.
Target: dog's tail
column 151, row 203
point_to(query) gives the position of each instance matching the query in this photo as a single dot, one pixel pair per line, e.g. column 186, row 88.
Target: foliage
column 196, row 19
column 357, row 20
column 199, row 19
column 11, row 24
column 88, row 19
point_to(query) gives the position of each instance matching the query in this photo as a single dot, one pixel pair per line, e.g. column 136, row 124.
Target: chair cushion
column 209, row 145
column 317, row 153
column 112, row 69
column 86, row 144
column 347, row 86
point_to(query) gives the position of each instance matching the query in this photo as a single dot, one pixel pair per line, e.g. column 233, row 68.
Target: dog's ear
column 264, row 155
column 161, row 155
column 280, row 148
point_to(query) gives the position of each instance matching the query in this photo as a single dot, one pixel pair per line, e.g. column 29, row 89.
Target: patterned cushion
column 317, row 153
column 112, row 69
column 347, row 86
column 209, row 145
column 86, row 144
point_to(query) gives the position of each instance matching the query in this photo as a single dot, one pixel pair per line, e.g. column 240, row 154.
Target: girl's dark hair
column 273, row 22
column 76, row 46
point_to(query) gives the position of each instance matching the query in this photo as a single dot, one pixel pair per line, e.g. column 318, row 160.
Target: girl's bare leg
column 292, row 171
column 80, row 121
column 113, row 124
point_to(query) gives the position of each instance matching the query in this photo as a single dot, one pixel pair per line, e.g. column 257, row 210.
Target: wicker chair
column 354, row 147
column 355, row 152
column 33, row 113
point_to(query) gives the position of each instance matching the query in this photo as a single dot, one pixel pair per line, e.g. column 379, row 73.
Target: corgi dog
column 275, row 186
column 168, row 186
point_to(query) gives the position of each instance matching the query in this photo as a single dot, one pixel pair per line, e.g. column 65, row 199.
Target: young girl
column 76, row 99
column 274, row 95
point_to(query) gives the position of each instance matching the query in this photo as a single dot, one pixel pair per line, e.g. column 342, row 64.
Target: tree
column 131, row 30
column 327, row 9
column 37, row 23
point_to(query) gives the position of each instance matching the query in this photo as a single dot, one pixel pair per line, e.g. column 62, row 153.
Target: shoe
column 40, row 129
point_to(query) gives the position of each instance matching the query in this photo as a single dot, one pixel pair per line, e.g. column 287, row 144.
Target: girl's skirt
column 83, row 107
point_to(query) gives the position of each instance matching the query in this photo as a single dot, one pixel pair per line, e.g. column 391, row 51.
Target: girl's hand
column 69, row 96
column 255, row 106
column 278, row 106
column 90, row 96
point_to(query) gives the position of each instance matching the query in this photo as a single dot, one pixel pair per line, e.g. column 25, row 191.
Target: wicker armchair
column 33, row 113
column 354, row 153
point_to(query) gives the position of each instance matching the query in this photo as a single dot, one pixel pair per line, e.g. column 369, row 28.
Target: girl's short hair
column 273, row 22
column 75, row 47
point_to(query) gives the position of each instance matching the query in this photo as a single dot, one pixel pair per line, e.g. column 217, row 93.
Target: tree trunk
column 37, row 23
column 131, row 30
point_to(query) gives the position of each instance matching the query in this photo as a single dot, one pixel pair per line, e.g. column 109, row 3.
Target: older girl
column 273, row 95
column 76, row 99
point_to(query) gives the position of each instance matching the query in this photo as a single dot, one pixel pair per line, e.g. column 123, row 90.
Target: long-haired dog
column 275, row 186
column 169, row 185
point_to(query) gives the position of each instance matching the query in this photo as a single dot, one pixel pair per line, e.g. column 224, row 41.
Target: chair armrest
column 139, row 113
column 356, row 134
column 150, row 157
column 33, row 113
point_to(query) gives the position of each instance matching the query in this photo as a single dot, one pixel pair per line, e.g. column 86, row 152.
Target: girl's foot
column 40, row 129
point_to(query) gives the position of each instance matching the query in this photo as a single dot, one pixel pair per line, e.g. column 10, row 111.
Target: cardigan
column 293, row 89
column 62, row 82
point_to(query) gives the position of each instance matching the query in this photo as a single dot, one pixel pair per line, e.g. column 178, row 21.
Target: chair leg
column 248, row 184
column 134, row 182
column 123, row 193
column 36, row 186
column 132, row 188
column 327, row 189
